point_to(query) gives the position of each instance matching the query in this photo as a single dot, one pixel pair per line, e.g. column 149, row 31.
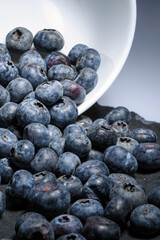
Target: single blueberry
column 121, row 128
column 44, row 176
column 55, row 58
column 143, row 135
column 154, row 196
column 58, row 145
column 74, row 128
column 84, row 121
column 61, row 72
column 76, row 52
column 94, row 155
column 6, row 170
column 117, row 178
column 54, row 132
column 4, row 96
column 127, row 143
column 8, row 114
column 118, row 113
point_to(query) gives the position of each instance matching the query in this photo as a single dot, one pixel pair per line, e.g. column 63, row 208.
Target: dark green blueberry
column 121, row 128
column 44, row 160
column 8, row 114
column 145, row 221
column 6, row 170
column 127, row 143
column 50, row 199
column 48, row 40
column 101, row 228
column 19, row 40
column 76, row 52
column 2, row 203
column 55, row 58
column 54, row 132
column 58, row 145
column 72, row 236
column 4, row 96
column 154, row 196
column 118, row 113
column 117, row 178
column 143, row 135
column 8, row 72
column 74, row 128
column 120, row 160
column 66, row 223
column 44, row 176
column 61, row 72
column 84, row 208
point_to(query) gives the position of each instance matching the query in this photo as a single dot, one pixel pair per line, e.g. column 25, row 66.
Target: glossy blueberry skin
column 49, row 92
column 121, row 128
column 67, row 164
column 72, row 236
column 31, row 57
column 4, row 96
column 18, row 89
column 19, row 40
column 6, row 170
column 44, row 160
column 95, row 155
column 54, row 132
column 120, row 160
column 127, row 143
column 2, row 203
column 87, row 78
column 61, row 72
column 74, row 128
column 117, row 178
column 134, row 193
column 101, row 137
column 148, row 156
column 66, row 223
column 118, row 113
column 102, row 227
column 25, row 217
column 145, row 220
column 8, row 114
column 89, row 168
column 84, row 121
column 73, row 184
column 118, row 210
column 58, row 145
column 50, row 199
column 84, row 208
column 22, row 153
column 55, row 58
column 48, row 40
column 78, row 143
column 89, row 58
column 143, row 135
column 44, row 176
column 16, row 130
column 36, row 229
column 73, row 90
column 63, row 113
column 34, row 74
column 21, row 183
column 7, row 141
column 8, row 72
column 76, row 52
column 97, row 187
column 154, row 197
column 32, row 111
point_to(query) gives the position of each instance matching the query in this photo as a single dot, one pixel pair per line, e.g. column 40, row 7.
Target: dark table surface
column 148, row 181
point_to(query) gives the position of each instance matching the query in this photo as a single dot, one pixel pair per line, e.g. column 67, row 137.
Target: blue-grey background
column 138, row 85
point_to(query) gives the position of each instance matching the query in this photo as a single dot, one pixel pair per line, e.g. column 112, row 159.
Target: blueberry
column 101, row 137
column 4, row 96
column 72, row 236
column 48, row 40
column 67, row 164
column 78, row 143
column 4, row 53
column 50, row 199
column 145, row 220
column 63, row 113
column 127, row 143
column 73, row 184
column 7, row 141
column 49, row 92
column 61, row 72
column 54, row 132
column 55, row 58
column 121, row 128
column 6, row 170
column 133, row 192
column 84, row 121
column 58, row 145
column 154, row 196
column 89, row 168
column 44, row 160
column 117, row 178
column 18, row 89
column 8, row 71
column 19, row 40
column 43, row 177
column 2, row 203
column 66, row 223
column 16, row 130
column 32, row 111
column 38, row 134
column 95, row 155
column 143, row 135
column 74, row 128
column 148, row 156
column 98, row 227
column 8, row 114
column 19, row 186
column 87, row 78
column 34, row 74
column 22, row 153
column 76, row 52
column 89, row 58
column 84, row 208
column 118, row 210
column 73, row 90
column 120, row 160
column 30, row 95
column 118, row 113
column 101, row 122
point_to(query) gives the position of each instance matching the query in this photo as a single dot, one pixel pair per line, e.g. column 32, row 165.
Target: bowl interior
column 106, row 25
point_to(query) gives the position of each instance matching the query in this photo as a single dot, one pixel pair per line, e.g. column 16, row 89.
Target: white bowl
column 106, row 25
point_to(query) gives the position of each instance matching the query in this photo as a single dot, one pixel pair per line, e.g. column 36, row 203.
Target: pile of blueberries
column 74, row 176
